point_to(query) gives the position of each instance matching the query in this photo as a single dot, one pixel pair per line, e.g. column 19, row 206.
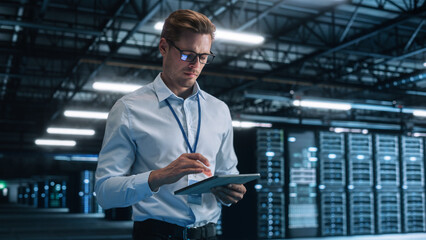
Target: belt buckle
column 185, row 234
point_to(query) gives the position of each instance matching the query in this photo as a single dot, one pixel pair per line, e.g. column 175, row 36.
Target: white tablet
column 205, row 185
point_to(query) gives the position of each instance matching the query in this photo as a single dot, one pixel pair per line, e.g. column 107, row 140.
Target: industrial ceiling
column 367, row 52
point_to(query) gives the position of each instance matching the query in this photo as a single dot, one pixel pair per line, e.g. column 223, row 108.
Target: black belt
column 175, row 231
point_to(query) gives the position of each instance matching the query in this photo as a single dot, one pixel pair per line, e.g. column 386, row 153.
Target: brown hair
column 186, row 19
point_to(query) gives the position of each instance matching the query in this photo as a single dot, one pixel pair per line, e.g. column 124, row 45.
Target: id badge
column 194, row 198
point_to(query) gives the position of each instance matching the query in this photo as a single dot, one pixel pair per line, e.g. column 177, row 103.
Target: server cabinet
column 333, row 213
column 88, row 202
column 332, row 159
column 43, row 194
column 302, row 163
column 270, row 164
column 387, row 160
column 360, row 161
column 270, row 157
column 414, row 211
column 361, row 213
column 332, row 172
column 412, row 162
column 388, row 211
column 271, row 215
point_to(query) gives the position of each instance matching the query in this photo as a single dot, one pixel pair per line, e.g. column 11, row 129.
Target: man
column 168, row 135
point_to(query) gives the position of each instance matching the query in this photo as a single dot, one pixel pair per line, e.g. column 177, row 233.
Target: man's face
column 179, row 74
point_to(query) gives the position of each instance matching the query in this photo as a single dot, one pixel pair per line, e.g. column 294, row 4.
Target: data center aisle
column 28, row 223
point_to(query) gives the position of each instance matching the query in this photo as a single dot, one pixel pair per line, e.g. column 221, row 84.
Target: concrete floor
column 19, row 222
column 26, row 223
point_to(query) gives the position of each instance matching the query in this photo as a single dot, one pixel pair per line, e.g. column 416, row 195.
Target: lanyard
column 193, row 150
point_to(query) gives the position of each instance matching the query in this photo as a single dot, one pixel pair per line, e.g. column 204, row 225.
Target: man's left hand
column 231, row 193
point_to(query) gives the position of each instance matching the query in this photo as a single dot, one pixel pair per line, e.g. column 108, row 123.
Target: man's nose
column 195, row 63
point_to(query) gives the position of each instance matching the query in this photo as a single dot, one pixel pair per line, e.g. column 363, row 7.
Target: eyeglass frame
column 196, row 54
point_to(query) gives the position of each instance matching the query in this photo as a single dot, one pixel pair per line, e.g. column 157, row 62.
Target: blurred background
column 328, row 100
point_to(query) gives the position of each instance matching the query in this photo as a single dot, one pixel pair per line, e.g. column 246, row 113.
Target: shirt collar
column 163, row 92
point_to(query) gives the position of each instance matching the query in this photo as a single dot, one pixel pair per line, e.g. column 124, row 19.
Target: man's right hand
column 187, row 163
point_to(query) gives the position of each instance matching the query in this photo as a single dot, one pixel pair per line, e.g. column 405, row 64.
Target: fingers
column 199, row 157
column 200, row 161
column 231, row 193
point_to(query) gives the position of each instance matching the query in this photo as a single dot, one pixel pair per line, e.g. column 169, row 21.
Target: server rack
column 413, row 194
column 332, row 184
column 302, row 199
column 88, row 202
column 387, row 160
column 412, row 162
column 360, row 184
column 271, row 208
column 361, row 212
column 414, row 211
column 333, row 213
column 271, row 215
column 388, row 201
column 388, row 212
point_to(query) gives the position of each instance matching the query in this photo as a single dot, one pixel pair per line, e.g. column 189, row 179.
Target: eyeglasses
column 189, row 56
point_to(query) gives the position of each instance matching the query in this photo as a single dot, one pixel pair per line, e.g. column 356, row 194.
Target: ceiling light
column 76, row 157
column 424, row 64
column 71, row 131
column 419, row 113
column 159, row 26
column 229, row 35
column 86, row 114
column 53, row 142
column 322, row 104
column 115, row 87
column 232, row 36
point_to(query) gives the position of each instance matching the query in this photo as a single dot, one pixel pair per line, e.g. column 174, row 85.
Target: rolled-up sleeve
column 114, row 186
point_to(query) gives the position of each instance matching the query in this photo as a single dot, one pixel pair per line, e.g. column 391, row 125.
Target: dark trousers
column 158, row 230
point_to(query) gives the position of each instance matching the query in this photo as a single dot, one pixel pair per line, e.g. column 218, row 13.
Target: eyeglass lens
column 190, row 57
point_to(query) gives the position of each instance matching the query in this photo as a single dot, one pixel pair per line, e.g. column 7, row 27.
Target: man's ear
column 163, row 46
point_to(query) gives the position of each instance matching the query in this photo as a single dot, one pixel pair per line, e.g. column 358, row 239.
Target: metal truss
column 52, row 51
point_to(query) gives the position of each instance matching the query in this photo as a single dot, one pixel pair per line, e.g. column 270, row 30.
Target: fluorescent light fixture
column 291, row 139
column 413, row 159
column 419, row 113
column 332, row 156
column 360, row 157
column 245, row 124
column 86, row 114
column 229, row 36
column 53, row 142
column 159, row 26
column 115, row 87
column 322, row 104
column 387, row 158
column 232, row 36
column 71, row 131
column 424, row 64
column 348, row 130
column 417, row 134
column 76, row 157
column 375, row 107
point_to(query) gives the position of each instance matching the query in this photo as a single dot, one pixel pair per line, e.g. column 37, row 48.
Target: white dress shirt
column 142, row 135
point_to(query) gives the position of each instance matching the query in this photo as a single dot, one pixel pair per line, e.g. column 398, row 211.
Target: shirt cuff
column 141, row 182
